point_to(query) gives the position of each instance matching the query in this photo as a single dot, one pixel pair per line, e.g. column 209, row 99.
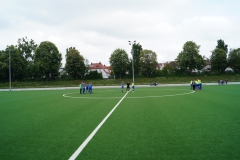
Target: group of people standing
column 196, row 84
column 128, row 86
column 220, row 81
column 84, row 88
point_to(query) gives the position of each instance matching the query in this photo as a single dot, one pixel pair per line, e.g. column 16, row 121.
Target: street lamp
column 9, row 69
column 132, row 52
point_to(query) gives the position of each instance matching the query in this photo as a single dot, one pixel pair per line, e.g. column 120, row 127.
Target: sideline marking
column 81, row 147
column 179, row 94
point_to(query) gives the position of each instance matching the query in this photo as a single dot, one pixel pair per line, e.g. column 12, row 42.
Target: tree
column 189, row 58
column 17, row 64
column 75, row 65
column 86, row 62
column 148, row 62
column 164, row 71
column 136, row 48
column 21, row 60
column 234, row 59
column 119, row 62
column 171, row 68
column 222, row 45
column 3, row 65
column 26, row 49
column 94, row 75
column 218, row 60
column 47, row 60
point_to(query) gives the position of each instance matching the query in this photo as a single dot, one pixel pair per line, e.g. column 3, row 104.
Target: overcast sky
column 97, row 27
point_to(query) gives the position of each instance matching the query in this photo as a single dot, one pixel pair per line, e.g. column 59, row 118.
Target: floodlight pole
column 132, row 64
column 132, row 52
column 10, row 78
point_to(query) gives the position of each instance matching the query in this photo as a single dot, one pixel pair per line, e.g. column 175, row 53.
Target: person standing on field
column 90, row 88
column 83, row 87
column 200, row 84
column 122, row 86
column 128, row 86
column 80, row 87
column 132, row 86
column 86, row 87
column 191, row 83
column 194, row 84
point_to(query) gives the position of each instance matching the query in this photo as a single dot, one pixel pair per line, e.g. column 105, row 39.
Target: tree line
column 27, row 60
column 190, row 59
column 30, row 61
column 143, row 62
column 187, row 61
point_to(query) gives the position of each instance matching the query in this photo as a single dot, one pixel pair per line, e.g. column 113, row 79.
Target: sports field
column 150, row 123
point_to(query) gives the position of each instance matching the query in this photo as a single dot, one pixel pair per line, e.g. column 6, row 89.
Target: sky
column 97, row 28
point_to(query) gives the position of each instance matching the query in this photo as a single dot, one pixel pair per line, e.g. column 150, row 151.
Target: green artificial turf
column 150, row 123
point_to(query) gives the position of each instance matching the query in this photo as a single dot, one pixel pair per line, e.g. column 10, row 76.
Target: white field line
column 81, row 147
column 172, row 95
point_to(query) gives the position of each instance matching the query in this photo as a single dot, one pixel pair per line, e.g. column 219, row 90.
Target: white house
column 105, row 70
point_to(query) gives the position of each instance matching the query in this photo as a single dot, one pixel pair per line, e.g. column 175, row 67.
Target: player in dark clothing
column 193, row 84
column 128, row 86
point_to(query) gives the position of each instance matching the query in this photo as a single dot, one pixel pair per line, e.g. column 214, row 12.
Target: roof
column 96, row 65
column 106, row 69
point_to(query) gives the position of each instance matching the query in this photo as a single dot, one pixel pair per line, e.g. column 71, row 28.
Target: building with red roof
column 100, row 68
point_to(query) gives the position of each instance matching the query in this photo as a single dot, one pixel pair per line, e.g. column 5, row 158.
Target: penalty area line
column 82, row 146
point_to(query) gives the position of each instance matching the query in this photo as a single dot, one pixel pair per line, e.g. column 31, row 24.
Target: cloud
column 97, row 28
